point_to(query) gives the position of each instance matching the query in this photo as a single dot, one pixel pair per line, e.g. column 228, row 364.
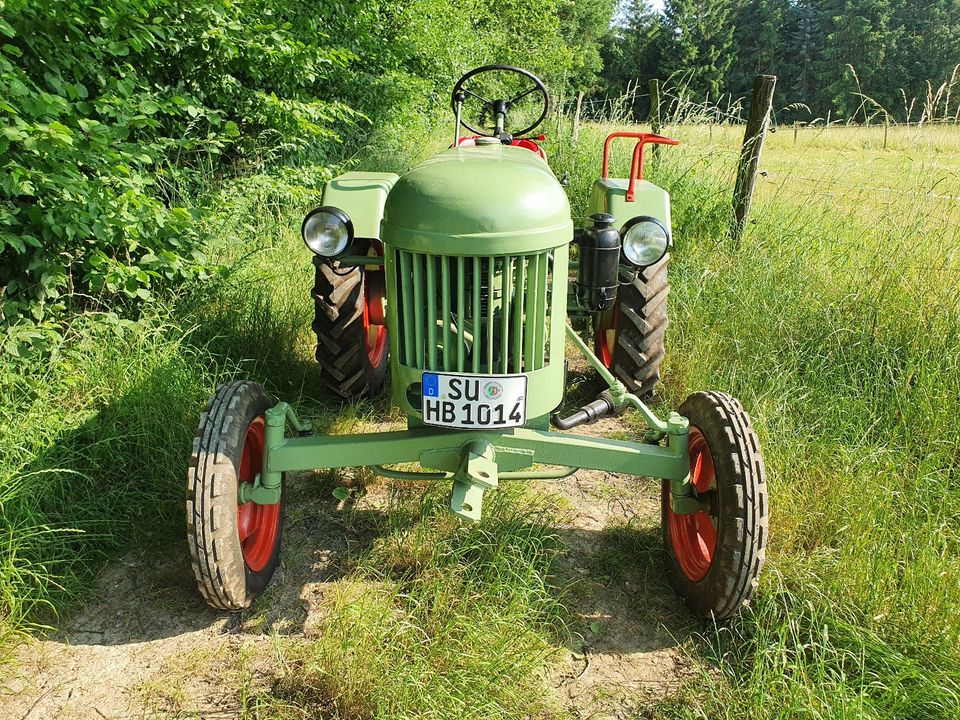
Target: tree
column 698, row 43
column 760, row 39
column 859, row 36
column 582, row 24
column 631, row 50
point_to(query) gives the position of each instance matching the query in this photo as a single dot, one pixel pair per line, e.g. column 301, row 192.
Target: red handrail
column 636, row 166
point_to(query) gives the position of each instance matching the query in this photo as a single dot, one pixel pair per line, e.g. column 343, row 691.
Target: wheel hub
column 257, row 525
column 694, row 536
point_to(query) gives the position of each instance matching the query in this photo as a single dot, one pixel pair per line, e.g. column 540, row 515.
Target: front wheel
column 715, row 556
column 234, row 548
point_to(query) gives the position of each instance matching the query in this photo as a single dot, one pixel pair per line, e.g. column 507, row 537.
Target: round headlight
column 645, row 241
column 327, row 231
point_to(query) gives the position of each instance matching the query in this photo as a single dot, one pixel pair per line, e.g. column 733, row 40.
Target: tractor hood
column 483, row 200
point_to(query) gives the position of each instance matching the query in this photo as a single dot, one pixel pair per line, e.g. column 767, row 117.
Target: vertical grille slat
column 488, row 313
column 405, row 293
column 477, row 316
column 461, row 313
column 483, row 314
column 431, row 312
column 445, row 313
column 418, row 308
column 534, row 360
column 520, row 290
column 506, row 287
column 540, row 310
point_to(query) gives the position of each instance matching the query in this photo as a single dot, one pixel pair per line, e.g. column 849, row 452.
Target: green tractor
column 455, row 279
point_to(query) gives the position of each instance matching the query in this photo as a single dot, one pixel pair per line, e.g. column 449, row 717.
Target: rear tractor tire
column 629, row 338
column 351, row 331
column 234, row 548
column 715, row 556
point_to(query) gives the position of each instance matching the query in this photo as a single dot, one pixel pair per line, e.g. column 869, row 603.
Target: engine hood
column 478, row 201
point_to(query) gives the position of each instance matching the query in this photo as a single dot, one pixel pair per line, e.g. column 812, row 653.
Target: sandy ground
column 147, row 646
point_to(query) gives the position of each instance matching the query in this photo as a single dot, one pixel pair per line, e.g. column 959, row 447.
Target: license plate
column 474, row 401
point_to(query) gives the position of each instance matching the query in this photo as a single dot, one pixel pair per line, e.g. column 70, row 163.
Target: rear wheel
column 715, row 556
column 629, row 338
column 349, row 321
column 234, row 548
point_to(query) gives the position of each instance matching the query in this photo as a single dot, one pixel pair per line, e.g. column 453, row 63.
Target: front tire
column 629, row 338
column 715, row 557
column 234, row 549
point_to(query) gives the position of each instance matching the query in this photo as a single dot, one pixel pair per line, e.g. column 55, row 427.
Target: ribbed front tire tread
column 212, row 484
column 734, row 573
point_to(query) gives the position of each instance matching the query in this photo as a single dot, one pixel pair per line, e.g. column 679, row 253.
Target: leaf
column 341, row 493
column 595, row 627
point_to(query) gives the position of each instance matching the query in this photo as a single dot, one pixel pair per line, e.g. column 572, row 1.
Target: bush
column 114, row 110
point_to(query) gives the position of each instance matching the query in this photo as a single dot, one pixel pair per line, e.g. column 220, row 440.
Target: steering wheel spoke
column 501, row 107
column 522, row 95
column 481, row 98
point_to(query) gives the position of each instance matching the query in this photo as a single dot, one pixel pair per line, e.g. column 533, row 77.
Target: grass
column 437, row 615
column 93, row 443
column 836, row 321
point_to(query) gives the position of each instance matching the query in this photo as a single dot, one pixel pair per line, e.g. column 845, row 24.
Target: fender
column 361, row 195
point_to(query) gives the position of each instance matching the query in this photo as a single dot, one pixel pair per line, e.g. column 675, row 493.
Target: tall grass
column 438, row 619
column 837, row 322
column 94, row 438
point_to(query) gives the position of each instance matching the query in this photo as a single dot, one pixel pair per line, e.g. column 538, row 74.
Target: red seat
column 527, row 143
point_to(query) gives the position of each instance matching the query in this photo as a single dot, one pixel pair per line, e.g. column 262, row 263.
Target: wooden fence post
column 576, row 116
column 761, row 101
column 655, row 106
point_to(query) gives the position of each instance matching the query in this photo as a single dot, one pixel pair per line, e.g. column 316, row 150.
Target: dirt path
column 147, row 647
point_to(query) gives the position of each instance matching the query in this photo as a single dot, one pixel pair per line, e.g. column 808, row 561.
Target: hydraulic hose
column 603, row 405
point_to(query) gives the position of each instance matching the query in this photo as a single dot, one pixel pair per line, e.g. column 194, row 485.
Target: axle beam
column 441, row 450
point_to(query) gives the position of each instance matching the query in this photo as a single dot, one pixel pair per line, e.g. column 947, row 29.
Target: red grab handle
column 636, row 166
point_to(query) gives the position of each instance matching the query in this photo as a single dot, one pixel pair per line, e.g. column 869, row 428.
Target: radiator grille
column 485, row 315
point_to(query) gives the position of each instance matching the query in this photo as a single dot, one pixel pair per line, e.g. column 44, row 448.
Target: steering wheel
column 530, row 87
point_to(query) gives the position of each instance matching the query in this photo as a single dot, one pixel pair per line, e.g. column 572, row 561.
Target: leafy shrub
column 113, row 109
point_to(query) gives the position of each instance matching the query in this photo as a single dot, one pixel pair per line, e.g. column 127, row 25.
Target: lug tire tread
column 345, row 367
column 641, row 328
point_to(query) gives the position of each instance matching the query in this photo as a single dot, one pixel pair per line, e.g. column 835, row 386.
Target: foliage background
column 117, row 115
column 827, row 54
column 155, row 157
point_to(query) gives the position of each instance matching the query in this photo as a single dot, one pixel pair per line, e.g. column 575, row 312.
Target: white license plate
column 474, row 401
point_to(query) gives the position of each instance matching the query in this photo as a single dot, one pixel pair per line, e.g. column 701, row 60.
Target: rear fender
column 609, row 195
column 361, row 195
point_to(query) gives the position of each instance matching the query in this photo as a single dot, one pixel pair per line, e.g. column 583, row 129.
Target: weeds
column 836, row 323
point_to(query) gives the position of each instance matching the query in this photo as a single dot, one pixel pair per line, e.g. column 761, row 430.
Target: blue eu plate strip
column 431, row 385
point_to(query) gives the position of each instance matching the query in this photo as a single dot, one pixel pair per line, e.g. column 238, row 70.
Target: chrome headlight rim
column 339, row 215
column 638, row 220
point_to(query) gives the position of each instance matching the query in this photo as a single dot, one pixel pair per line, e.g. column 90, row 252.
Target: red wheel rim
column 694, row 537
column 374, row 325
column 606, row 336
column 257, row 525
column 374, row 330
